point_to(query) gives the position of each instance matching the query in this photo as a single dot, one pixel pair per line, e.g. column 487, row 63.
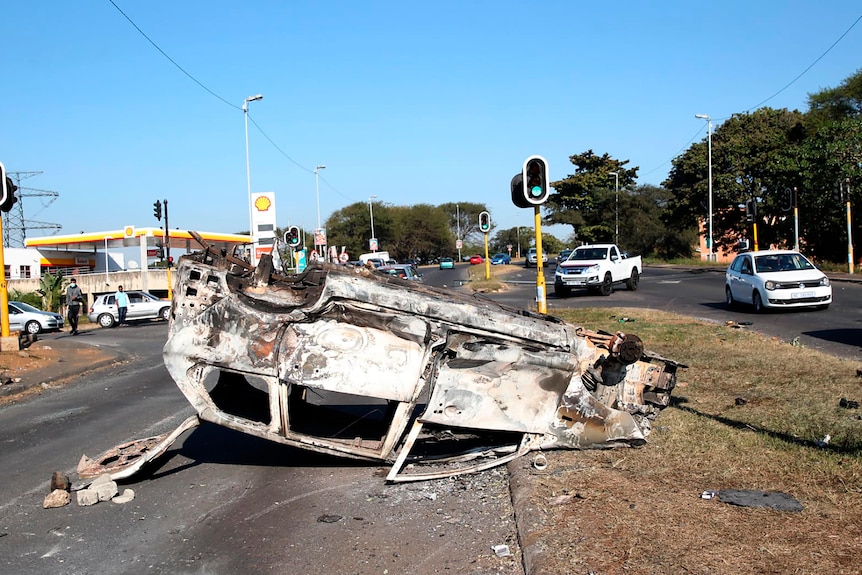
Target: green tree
column 754, row 155
column 836, row 104
column 351, row 227
column 463, row 217
column 421, row 232
column 587, row 199
column 52, row 288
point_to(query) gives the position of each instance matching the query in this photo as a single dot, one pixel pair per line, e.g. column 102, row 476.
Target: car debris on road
column 353, row 363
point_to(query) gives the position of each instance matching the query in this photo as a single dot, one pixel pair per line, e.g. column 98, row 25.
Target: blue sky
column 413, row 102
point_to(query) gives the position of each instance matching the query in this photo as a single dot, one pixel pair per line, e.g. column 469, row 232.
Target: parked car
column 500, row 259
column 447, row 264
column 532, row 260
column 142, row 305
column 403, row 271
column 477, row 259
column 776, row 279
column 25, row 317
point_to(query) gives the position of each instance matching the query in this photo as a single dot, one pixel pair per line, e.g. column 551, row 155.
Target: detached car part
column 433, row 382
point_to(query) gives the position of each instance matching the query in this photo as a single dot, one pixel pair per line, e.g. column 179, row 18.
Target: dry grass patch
column 751, row 412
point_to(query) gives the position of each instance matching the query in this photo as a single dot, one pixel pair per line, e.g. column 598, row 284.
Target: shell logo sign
column 129, row 231
column 262, row 204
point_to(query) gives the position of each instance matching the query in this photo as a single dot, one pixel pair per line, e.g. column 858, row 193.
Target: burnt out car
column 431, row 381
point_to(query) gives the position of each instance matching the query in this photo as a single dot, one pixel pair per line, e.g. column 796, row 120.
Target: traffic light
column 170, row 261
column 531, row 189
column 294, row 237
column 7, row 194
column 750, row 209
column 484, row 222
column 157, row 209
column 786, row 200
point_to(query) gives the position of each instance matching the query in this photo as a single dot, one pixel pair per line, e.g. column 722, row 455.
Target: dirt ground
column 45, row 363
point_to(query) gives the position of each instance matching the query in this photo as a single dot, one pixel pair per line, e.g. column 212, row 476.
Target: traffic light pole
column 4, row 296
column 541, row 291
column 168, row 252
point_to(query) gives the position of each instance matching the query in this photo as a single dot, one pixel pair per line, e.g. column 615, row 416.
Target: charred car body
column 432, row 382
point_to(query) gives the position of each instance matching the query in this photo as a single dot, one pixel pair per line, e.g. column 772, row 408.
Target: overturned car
column 430, row 381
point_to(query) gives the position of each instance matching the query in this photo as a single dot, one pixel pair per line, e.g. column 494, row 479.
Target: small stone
column 125, row 497
column 87, row 497
column 60, row 480
column 57, row 498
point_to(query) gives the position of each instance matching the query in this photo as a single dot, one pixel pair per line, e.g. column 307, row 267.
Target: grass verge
column 750, row 412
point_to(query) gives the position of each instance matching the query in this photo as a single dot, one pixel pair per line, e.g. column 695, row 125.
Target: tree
column 351, row 227
column 754, row 155
column 463, row 218
column 51, row 288
column 586, row 200
column 421, row 232
column 836, row 104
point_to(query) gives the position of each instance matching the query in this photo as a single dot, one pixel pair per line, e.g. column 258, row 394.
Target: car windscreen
column 782, row 263
column 589, row 254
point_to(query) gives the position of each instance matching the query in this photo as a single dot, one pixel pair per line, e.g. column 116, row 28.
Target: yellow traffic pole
column 487, row 261
column 4, row 296
column 541, row 299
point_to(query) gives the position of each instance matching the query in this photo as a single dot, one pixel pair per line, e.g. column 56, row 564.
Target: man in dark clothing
column 74, row 297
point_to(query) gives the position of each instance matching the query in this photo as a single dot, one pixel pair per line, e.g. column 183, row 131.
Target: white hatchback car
column 142, row 305
column 776, row 279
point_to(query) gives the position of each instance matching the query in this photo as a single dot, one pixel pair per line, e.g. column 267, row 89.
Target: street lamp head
column 254, row 98
column 703, row 116
column 321, row 167
column 613, row 173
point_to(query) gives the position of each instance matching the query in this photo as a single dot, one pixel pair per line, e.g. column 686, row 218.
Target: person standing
column 122, row 299
column 74, row 298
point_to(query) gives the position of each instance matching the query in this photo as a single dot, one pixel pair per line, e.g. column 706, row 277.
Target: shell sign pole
column 263, row 224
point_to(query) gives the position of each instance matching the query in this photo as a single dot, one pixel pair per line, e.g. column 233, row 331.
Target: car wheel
column 106, row 320
column 607, row 287
column 33, row 327
column 562, row 291
column 165, row 313
column 757, row 301
column 728, row 297
column 632, row 282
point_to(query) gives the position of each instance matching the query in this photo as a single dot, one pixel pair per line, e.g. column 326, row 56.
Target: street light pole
column 107, row 283
column 709, row 176
column 248, row 171
column 371, row 213
column 616, row 176
column 317, row 193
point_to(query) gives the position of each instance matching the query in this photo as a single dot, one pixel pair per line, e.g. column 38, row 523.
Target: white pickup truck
column 596, row 267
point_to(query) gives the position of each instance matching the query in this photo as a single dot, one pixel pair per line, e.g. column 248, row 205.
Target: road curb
column 529, row 517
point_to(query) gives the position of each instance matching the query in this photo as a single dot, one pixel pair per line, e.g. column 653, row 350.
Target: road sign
column 344, row 258
column 459, row 244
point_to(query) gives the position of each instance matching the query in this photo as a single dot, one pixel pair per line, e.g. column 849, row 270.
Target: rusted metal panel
column 343, row 360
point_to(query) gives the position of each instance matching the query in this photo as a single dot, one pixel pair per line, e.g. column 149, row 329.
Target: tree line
column 756, row 156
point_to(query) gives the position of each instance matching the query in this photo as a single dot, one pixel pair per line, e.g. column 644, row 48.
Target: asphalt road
column 697, row 293
column 220, row 501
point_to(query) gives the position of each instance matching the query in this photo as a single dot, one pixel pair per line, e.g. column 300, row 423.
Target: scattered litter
column 737, row 324
column 501, row 550
column 795, row 342
column 626, row 319
column 708, row 494
column 540, row 462
column 753, row 498
column 825, row 441
column 740, row 401
column 859, row 373
column 848, row 403
column 329, row 518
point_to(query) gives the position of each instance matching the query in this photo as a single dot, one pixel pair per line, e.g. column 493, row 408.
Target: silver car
column 142, row 305
column 25, row 317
